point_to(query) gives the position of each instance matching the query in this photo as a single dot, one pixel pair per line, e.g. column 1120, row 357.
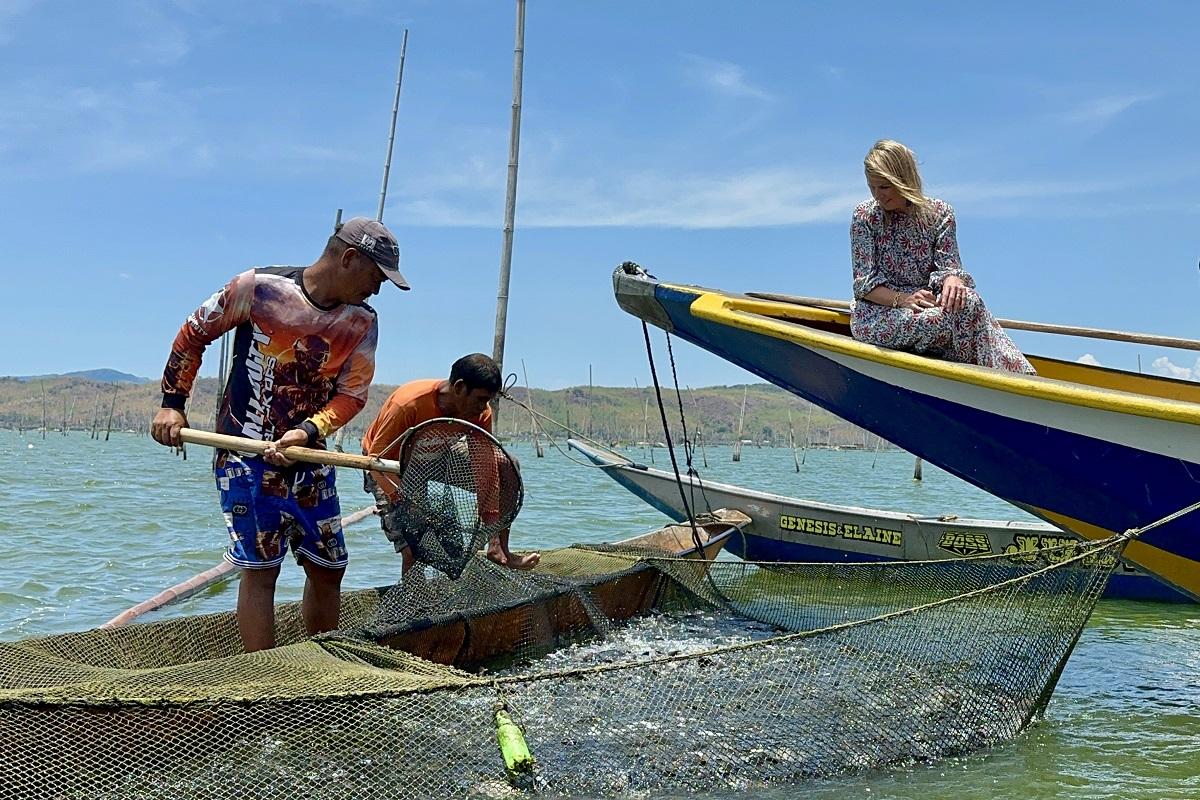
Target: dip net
column 457, row 489
column 608, row 670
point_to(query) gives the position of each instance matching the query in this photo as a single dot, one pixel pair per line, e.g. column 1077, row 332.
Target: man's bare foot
column 523, row 560
column 505, row 558
column 496, row 553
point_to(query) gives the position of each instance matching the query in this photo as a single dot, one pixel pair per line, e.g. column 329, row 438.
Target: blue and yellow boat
column 1094, row 450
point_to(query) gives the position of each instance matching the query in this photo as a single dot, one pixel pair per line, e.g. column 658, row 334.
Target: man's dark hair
column 334, row 247
column 477, row 371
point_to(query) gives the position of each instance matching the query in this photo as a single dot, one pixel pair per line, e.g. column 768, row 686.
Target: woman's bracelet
column 896, row 299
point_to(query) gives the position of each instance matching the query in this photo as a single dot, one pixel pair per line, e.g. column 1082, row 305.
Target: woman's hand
column 954, row 294
column 917, row 301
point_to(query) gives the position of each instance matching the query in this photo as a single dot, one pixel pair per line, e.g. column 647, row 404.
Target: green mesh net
column 626, row 668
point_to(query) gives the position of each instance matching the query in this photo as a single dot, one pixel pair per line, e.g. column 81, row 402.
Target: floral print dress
column 907, row 252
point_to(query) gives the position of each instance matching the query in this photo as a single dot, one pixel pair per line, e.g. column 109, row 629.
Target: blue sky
column 151, row 150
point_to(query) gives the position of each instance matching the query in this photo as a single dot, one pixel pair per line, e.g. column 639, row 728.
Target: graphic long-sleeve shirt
column 294, row 362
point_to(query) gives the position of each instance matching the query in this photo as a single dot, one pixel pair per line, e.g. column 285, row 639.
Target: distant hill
column 612, row 414
column 97, row 375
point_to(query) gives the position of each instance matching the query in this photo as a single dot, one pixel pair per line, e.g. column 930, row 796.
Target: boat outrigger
column 1093, row 450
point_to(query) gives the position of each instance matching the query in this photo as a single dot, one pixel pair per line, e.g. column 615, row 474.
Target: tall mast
column 387, row 163
column 510, row 199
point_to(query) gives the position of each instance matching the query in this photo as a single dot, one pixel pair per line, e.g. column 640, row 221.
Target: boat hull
column 791, row 529
column 1092, row 462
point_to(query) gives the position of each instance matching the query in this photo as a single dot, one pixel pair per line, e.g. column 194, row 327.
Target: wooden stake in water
column 699, row 428
column 96, row 415
column 45, row 420
column 737, row 444
column 537, row 440
column 792, row 441
column 917, row 469
column 807, row 435
column 111, row 408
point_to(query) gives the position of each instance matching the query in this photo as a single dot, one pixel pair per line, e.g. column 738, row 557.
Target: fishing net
column 457, row 489
column 606, row 671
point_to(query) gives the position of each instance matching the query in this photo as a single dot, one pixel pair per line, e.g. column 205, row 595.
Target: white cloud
column 745, row 199
column 723, row 77
column 1164, row 366
column 1089, row 359
column 1102, row 110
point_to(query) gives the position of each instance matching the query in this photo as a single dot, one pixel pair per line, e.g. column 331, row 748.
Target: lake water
column 95, row 527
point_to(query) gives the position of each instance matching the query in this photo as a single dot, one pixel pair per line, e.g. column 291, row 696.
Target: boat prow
column 1095, row 451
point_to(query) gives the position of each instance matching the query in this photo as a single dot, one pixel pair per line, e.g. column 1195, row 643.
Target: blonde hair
column 893, row 162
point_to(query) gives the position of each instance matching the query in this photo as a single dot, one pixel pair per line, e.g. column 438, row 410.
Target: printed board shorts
column 269, row 509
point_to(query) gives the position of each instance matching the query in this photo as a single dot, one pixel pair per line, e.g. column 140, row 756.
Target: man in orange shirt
column 473, row 384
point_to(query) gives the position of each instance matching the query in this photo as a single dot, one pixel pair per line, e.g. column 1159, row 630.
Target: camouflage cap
column 372, row 239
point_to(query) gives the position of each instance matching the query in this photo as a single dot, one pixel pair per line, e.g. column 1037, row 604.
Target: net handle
column 309, row 455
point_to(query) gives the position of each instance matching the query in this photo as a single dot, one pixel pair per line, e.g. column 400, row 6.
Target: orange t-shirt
column 411, row 404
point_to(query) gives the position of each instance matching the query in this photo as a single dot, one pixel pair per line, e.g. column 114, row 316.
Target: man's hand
column 166, row 426
column 296, row 437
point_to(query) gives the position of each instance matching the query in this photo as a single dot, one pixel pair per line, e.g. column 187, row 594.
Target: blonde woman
column 910, row 290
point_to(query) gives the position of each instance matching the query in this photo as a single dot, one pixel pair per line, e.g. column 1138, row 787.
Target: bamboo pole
column 807, row 435
column 792, row 441
column 306, row 454
column 387, row 163
column 1013, row 324
column 537, row 440
column 96, row 415
column 111, row 408
column 45, row 420
column 510, row 195
column 699, row 428
column 737, row 443
column 63, row 430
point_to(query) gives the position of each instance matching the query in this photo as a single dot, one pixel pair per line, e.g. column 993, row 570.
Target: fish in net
column 714, row 676
column 457, row 489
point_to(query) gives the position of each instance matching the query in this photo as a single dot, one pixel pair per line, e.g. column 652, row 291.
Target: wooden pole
column 589, row 402
column 807, row 435
column 96, row 414
column 387, row 163
column 917, row 469
column 537, row 440
column 45, row 420
column 699, row 428
column 1013, row 324
column 510, row 195
column 306, row 454
column 792, row 441
column 737, row 444
column 64, row 419
column 111, row 408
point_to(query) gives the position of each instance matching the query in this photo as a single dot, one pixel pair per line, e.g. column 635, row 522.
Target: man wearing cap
column 303, row 358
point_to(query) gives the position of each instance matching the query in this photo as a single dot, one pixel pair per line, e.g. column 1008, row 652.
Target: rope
column 688, row 449
column 662, row 412
column 570, row 431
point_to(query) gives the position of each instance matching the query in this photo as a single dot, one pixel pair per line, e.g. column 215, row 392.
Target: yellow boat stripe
column 764, row 316
column 1182, row 573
